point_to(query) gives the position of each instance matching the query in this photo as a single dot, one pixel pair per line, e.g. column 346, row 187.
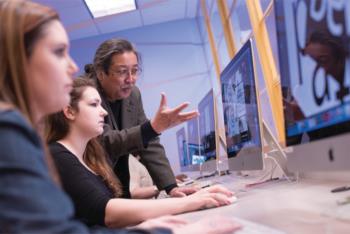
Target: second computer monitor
column 207, row 131
column 207, row 125
column 190, row 151
column 241, row 112
column 314, row 59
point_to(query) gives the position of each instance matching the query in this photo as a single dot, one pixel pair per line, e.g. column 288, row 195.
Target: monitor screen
column 195, row 150
column 182, row 147
column 207, row 126
column 241, row 113
column 313, row 44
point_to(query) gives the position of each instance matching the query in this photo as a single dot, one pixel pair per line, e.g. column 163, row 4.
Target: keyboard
column 186, row 183
column 249, row 227
column 197, row 183
column 203, row 183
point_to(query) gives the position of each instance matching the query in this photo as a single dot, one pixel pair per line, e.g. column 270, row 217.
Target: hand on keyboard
column 217, row 189
column 213, row 196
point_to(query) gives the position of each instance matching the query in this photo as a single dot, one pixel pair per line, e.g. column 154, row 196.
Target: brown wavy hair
column 57, row 128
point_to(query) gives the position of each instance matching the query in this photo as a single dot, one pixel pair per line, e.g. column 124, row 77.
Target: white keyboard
column 249, row 227
column 203, row 183
column 197, row 183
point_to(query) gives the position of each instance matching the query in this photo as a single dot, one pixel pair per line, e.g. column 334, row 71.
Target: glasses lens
column 123, row 72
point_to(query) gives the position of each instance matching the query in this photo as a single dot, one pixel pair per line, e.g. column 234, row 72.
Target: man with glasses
column 116, row 68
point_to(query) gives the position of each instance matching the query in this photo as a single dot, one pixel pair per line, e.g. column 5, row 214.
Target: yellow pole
column 227, row 27
column 218, row 132
column 211, row 39
column 271, row 77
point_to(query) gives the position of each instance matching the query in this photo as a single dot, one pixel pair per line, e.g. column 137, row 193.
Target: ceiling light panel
column 99, row 8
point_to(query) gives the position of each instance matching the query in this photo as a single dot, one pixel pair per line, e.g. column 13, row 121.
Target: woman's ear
column 69, row 113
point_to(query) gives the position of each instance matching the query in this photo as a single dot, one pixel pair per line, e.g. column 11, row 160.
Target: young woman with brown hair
column 89, row 180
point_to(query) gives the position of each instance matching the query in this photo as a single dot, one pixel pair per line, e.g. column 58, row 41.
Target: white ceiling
column 80, row 23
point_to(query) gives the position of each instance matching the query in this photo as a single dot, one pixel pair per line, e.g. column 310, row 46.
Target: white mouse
column 232, row 199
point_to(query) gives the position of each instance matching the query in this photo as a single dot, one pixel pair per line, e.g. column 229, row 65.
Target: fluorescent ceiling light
column 100, row 8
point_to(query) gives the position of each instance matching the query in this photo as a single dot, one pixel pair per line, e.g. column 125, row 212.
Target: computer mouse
column 232, row 199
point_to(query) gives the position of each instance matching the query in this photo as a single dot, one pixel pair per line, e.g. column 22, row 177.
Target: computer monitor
column 207, row 131
column 182, row 147
column 241, row 112
column 190, row 150
column 313, row 45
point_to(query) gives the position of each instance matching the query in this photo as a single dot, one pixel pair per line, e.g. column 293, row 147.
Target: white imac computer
column 207, row 132
column 313, row 45
column 197, row 152
column 190, row 150
column 182, row 148
column 241, row 112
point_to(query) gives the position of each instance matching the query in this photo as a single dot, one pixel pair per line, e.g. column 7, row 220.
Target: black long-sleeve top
column 88, row 191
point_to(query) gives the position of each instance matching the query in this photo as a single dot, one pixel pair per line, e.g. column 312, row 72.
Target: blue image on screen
column 195, row 151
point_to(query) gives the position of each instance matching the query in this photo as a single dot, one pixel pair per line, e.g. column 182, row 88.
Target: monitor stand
column 275, row 152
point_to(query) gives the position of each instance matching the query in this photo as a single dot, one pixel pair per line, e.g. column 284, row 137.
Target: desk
column 294, row 207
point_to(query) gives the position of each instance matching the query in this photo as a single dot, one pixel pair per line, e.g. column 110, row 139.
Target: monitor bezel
column 209, row 165
column 249, row 158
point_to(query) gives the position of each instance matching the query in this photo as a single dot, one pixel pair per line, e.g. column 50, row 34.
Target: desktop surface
column 305, row 206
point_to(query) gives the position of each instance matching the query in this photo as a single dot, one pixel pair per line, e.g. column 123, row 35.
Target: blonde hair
column 22, row 24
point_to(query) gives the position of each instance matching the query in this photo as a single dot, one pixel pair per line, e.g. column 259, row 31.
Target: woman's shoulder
column 13, row 117
column 56, row 148
column 20, row 144
column 66, row 162
column 12, row 122
column 9, row 115
column 61, row 154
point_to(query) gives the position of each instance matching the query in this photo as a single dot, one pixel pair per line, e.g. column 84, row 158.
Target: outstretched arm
column 123, row 212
